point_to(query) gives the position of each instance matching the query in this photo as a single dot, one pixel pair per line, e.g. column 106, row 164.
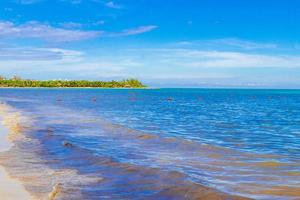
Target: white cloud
column 217, row 59
column 61, row 63
column 38, row 54
column 36, row 30
column 112, row 4
column 74, row 1
column 155, row 61
column 65, row 68
column 133, row 31
column 27, row 1
column 243, row 44
column 229, row 43
column 97, row 23
column 71, row 25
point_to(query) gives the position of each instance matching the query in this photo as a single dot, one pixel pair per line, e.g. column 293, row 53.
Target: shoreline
column 154, row 88
column 10, row 189
column 116, row 88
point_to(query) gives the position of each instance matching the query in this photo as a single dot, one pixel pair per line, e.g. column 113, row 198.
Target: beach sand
column 10, row 189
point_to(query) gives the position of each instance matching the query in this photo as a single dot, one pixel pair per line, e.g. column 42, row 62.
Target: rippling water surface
column 158, row 143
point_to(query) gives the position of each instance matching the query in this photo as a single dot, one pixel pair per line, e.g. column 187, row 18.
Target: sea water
column 154, row 143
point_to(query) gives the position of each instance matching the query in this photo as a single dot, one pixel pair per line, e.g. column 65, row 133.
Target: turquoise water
column 241, row 142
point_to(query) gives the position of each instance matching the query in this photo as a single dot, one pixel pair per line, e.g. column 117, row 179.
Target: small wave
column 27, row 162
column 24, row 164
column 52, row 165
column 11, row 120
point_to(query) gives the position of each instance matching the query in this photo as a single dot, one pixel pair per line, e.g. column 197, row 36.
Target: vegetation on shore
column 19, row 82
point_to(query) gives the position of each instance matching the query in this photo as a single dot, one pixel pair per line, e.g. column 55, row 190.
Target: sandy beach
column 10, row 189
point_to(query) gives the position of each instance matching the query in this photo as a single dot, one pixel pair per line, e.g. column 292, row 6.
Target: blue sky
column 186, row 43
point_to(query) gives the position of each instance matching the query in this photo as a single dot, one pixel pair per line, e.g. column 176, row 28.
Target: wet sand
column 10, row 189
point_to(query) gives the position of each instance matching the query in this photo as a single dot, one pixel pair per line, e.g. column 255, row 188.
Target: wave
column 35, row 159
column 62, row 154
column 24, row 163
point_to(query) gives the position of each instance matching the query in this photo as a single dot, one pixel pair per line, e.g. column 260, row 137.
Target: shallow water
column 157, row 143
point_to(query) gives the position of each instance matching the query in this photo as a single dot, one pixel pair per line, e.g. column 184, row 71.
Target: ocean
column 156, row 143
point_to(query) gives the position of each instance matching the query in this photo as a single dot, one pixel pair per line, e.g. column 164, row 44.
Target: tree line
column 16, row 81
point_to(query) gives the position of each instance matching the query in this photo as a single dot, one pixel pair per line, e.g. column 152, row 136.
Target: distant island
column 19, row 82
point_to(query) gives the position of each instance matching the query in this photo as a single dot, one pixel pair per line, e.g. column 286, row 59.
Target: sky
column 164, row 43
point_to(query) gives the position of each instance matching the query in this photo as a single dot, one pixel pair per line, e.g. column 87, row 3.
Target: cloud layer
column 133, row 31
column 158, row 65
column 36, row 30
column 224, row 59
column 38, row 54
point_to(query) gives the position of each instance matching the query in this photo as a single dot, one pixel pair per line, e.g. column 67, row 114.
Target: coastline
column 57, row 182
column 116, row 88
column 9, row 187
